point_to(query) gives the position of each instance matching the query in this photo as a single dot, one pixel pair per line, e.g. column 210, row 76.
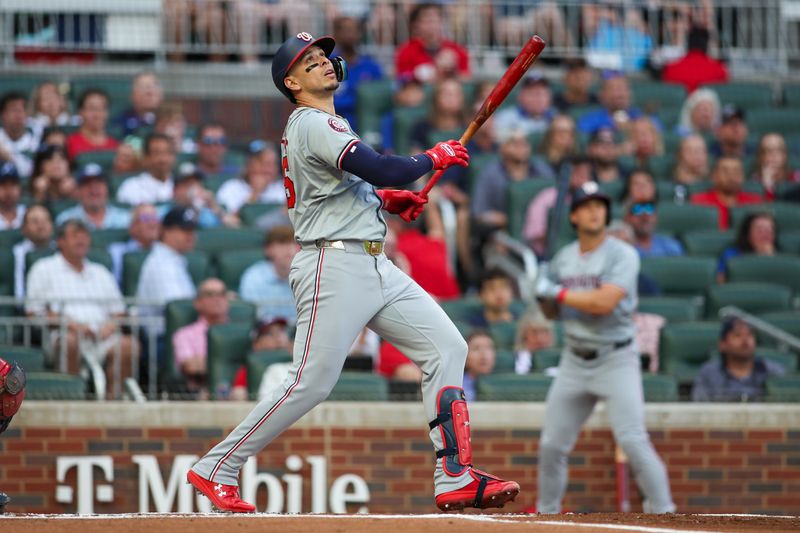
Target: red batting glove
column 407, row 204
column 448, row 153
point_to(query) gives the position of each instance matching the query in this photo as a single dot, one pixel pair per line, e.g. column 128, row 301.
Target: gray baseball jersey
column 614, row 262
column 324, row 201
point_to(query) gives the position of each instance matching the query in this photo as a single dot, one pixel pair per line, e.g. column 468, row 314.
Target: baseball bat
column 513, row 74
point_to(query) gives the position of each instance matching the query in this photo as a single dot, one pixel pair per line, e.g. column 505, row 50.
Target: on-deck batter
column 342, row 281
column 591, row 283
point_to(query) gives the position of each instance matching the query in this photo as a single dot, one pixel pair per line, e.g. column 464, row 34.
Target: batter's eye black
column 339, row 67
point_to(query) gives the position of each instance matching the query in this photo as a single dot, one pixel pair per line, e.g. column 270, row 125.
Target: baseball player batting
column 12, row 392
column 342, row 281
column 591, row 286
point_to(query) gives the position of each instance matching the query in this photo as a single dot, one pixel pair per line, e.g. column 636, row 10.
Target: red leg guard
column 453, row 421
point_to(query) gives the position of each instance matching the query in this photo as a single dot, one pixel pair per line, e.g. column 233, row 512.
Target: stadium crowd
column 96, row 207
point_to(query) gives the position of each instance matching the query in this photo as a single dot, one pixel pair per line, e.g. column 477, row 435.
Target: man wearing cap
column 212, row 145
column 260, row 182
column 731, row 134
column 617, row 111
column 591, row 286
column 727, row 178
column 189, row 192
column 155, row 184
column 578, row 78
column 643, row 219
column 738, row 375
column 534, row 109
column 11, row 209
column 342, row 281
column 93, row 208
column 604, row 153
column 165, row 273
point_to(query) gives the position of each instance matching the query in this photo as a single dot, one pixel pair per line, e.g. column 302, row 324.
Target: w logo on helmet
column 303, row 36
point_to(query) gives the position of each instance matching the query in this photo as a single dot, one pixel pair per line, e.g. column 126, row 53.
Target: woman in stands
column 51, row 179
column 700, row 113
column 560, row 142
column 757, row 235
column 92, row 136
column 48, row 107
column 691, row 165
column 644, row 141
column 772, row 164
column 447, row 113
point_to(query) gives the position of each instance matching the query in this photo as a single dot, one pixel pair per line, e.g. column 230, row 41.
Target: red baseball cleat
column 485, row 491
column 223, row 497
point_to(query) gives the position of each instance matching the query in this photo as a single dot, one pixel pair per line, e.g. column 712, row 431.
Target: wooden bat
column 513, row 74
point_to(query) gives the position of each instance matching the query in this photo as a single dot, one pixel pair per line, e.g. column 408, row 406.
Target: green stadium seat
column 661, row 167
column 250, row 213
column 54, row 386
column 257, row 364
column 118, row 89
column 520, row 194
column 360, row 387
column 6, row 272
column 101, row 238
column 778, row 120
column 681, row 276
column 659, row 388
column 786, row 214
column 437, row 136
column 707, row 242
column 783, row 389
column 672, row 308
column 477, row 163
column 462, row 308
column 231, row 265
column 791, row 95
column 547, row 358
column 59, row 206
column 786, row 359
column 228, row 346
column 746, row 95
column 576, row 112
column 782, row 269
column 504, row 362
column 25, row 84
column 104, row 158
column 373, row 100
column 748, row 296
column 513, row 387
column 9, row 238
column 652, row 96
column 197, row 263
column 613, row 189
column 789, row 242
column 682, row 218
column 504, row 334
column 29, row 358
column 405, row 118
column 684, row 347
column 788, row 321
column 215, row 240
column 215, row 181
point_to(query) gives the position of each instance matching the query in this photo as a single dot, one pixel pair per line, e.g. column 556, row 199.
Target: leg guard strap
column 453, row 423
column 479, row 494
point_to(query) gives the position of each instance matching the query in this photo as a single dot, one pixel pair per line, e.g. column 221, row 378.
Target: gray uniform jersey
column 324, row 201
column 613, row 262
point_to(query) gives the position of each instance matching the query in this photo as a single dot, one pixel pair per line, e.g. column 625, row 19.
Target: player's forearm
column 385, row 170
column 594, row 301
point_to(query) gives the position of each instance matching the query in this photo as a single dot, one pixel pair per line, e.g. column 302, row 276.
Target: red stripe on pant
column 296, row 381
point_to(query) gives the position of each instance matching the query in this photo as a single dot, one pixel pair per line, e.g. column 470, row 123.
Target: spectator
column 53, row 136
column 51, row 180
column 534, row 110
column 643, row 219
column 615, row 97
column 272, row 335
column 189, row 192
column 645, row 284
column 171, row 121
column 85, row 293
column 485, row 139
column 12, row 210
column 254, row 18
column 212, row 145
column 738, row 375
column 144, row 230
column 640, row 187
column 48, row 107
column 165, row 274
column 146, row 96
column 480, row 361
column 731, row 135
column 578, row 79
column 93, row 208
column 692, row 160
column 266, row 283
column 410, row 94
column 207, row 22
column 127, row 160
column 604, row 153
column 534, row 333
column 428, row 56
column 93, row 109
column 700, row 113
column 559, row 143
column 490, row 198
column 447, row 114
column 772, row 164
column 643, row 141
column 16, row 140
column 260, row 183
column 756, row 235
column 37, row 228
column 626, row 40
column 156, row 183
column 190, row 344
column 496, row 293
column 727, row 178
column 696, row 68
column 348, row 33
column 536, row 218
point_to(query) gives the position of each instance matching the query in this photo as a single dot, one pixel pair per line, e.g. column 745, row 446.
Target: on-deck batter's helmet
column 588, row 191
column 291, row 50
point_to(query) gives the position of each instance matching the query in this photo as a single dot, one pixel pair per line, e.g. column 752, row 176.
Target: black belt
column 588, row 355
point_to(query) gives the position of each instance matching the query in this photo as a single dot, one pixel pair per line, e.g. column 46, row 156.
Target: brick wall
column 711, row 470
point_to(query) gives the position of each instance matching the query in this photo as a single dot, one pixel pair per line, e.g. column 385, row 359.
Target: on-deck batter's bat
column 513, row 74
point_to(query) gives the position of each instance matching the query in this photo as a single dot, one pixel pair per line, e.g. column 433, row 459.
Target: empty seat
column 504, row 362
column 746, row 95
column 54, row 386
column 789, row 241
column 232, row 264
column 681, row 276
column 257, row 364
column 29, row 358
column 778, row 120
column 374, row 99
column 101, row 238
column 672, row 308
column 504, row 335
column 783, row 388
column 748, row 296
column 657, row 95
column 250, row 213
column 547, row 358
column 782, row 269
column 707, row 242
column 228, row 346
column 788, row 321
column 513, row 387
column 686, row 346
column 682, row 218
column 215, row 240
column 659, row 388
column 786, row 214
column 405, row 119
column 197, row 263
column 462, row 309
column 9, row 238
column 360, row 387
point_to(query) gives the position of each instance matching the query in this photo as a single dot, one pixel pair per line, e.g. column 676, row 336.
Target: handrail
column 784, row 338
column 529, row 267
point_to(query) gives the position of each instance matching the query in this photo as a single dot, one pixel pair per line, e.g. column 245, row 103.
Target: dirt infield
column 463, row 523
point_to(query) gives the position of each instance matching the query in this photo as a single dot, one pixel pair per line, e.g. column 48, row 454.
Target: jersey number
column 288, row 184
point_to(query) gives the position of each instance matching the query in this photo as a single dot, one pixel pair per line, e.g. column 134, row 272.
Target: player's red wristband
column 561, row 295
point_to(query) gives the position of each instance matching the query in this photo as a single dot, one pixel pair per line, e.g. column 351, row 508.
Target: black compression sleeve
column 384, row 170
